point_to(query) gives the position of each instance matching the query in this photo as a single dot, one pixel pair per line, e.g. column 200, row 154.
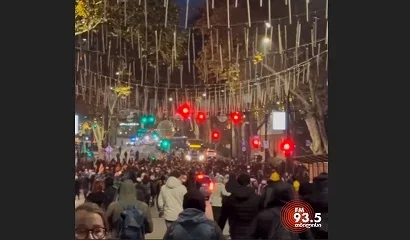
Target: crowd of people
column 245, row 197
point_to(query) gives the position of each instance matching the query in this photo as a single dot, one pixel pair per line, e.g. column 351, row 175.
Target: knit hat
column 194, row 199
column 296, row 185
column 275, row 177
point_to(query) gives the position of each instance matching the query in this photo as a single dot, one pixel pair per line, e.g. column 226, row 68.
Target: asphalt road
column 159, row 223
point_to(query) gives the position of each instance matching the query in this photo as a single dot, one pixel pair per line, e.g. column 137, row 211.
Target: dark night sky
column 193, row 4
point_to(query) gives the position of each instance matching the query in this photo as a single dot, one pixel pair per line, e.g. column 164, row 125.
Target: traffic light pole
column 288, row 163
column 266, row 138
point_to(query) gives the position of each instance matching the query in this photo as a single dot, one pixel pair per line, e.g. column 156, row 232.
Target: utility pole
column 266, row 136
column 289, row 162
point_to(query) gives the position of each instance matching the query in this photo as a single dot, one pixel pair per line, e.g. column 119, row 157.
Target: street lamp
column 266, row 40
column 170, row 99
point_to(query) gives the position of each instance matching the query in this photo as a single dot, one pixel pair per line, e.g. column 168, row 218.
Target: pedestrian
column 141, row 194
column 90, row 222
column 110, row 191
column 240, row 209
column 267, row 224
column 147, row 186
column 269, row 189
column 97, row 194
column 171, row 197
column 216, row 197
column 85, row 185
column 77, row 186
column 126, row 204
column 192, row 222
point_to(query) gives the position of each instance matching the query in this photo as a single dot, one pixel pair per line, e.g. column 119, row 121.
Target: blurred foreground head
column 194, row 199
column 90, row 222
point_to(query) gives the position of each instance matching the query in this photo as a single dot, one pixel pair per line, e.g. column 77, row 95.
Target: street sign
column 265, row 144
column 108, row 149
column 243, row 149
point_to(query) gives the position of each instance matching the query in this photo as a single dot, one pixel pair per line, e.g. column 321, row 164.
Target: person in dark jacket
column 267, row 224
column 191, row 182
column 232, row 183
column 85, row 185
column 110, row 191
column 97, row 195
column 319, row 202
column 192, row 223
column 77, row 186
column 147, row 185
column 240, row 209
column 269, row 190
column 141, row 195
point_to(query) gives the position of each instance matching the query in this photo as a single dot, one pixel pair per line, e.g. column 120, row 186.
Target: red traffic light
column 256, row 142
column 215, row 135
column 287, row 146
column 236, row 117
column 184, row 110
column 200, row 117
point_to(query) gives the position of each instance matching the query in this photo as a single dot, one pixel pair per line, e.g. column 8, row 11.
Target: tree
column 309, row 97
column 97, row 129
column 128, row 35
column 88, row 15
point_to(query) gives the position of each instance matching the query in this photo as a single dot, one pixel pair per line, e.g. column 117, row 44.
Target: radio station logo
column 298, row 216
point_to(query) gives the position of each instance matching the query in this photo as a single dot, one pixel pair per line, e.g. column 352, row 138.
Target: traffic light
column 200, row 117
column 151, row 119
column 236, row 117
column 215, row 135
column 256, row 142
column 144, row 120
column 165, row 144
column 184, row 110
column 155, row 136
column 287, row 146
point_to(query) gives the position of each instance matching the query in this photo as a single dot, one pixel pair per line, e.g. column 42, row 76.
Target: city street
column 159, row 223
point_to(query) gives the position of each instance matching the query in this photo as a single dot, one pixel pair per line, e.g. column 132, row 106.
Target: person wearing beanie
column 268, row 191
column 240, row 208
column 171, row 197
column 192, row 222
column 275, row 177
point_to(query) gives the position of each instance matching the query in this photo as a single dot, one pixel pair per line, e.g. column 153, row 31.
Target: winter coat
column 220, row 191
column 171, row 197
column 127, row 197
column 240, row 209
column 193, row 224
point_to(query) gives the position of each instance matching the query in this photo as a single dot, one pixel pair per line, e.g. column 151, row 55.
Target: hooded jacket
column 219, row 192
column 240, row 209
column 193, row 224
column 267, row 223
column 127, row 197
column 171, row 197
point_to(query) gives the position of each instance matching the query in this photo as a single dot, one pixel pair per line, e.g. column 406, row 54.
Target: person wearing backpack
column 267, row 224
column 129, row 218
column 192, row 223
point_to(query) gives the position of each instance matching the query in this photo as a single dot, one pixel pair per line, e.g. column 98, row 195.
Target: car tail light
column 200, row 176
column 211, row 186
